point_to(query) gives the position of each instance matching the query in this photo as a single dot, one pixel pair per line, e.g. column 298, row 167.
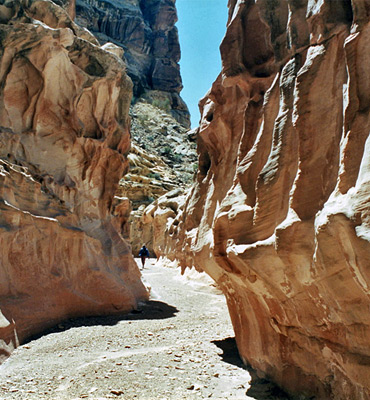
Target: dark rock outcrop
column 146, row 30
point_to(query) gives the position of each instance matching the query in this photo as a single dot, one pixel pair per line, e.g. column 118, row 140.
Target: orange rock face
column 63, row 138
column 280, row 213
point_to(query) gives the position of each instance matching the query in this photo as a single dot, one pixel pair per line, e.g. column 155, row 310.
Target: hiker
column 144, row 254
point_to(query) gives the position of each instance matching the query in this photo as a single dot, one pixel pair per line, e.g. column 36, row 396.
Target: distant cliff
column 146, row 31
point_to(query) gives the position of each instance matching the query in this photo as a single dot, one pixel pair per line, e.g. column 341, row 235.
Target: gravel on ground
column 179, row 345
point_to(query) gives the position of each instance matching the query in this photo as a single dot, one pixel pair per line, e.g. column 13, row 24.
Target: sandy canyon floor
column 178, row 346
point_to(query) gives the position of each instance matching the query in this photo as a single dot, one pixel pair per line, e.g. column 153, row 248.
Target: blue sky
column 201, row 25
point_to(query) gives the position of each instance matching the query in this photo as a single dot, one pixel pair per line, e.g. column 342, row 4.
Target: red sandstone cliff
column 280, row 213
column 63, row 138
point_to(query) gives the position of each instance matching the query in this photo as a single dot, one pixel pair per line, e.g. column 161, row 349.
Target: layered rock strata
column 162, row 159
column 146, row 31
column 148, row 179
column 280, row 213
column 158, row 218
column 161, row 137
column 64, row 135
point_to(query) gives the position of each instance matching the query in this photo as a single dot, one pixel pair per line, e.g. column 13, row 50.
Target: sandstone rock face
column 280, row 213
column 159, row 217
column 146, row 30
column 148, row 179
column 162, row 159
column 64, row 134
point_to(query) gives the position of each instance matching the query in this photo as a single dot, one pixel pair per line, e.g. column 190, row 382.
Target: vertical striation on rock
column 64, row 136
column 146, row 30
column 279, row 214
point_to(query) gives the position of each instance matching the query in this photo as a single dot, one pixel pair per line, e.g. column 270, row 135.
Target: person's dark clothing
column 144, row 252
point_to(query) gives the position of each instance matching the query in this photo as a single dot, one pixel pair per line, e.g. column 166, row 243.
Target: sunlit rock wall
column 280, row 213
column 63, row 138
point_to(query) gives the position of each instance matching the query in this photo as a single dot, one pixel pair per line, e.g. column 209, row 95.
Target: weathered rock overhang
column 64, row 137
column 280, row 213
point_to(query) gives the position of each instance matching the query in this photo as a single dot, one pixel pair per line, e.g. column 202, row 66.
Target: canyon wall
column 146, row 30
column 64, row 136
column 162, row 159
column 279, row 215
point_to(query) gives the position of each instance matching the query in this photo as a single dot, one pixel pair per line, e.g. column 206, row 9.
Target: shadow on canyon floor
column 149, row 310
column 261, row 389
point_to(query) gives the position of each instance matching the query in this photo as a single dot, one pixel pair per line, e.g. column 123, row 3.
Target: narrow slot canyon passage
column 179, row 345
column 269, row 194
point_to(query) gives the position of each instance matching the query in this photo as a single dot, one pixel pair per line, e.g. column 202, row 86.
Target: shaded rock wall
column 64, row 135
column 280, row 213
column 146, row 31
